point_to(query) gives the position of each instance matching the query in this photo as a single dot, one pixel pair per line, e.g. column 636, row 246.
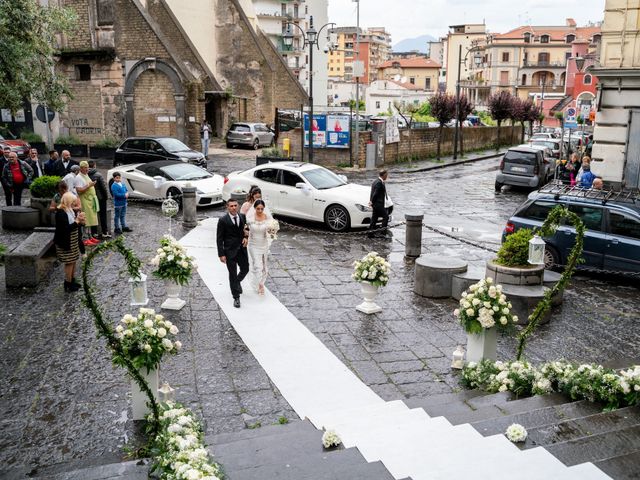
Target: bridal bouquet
column 172, row 262
column 484, row 306
column 272, row 229
column 372, row 268
column 146, row 338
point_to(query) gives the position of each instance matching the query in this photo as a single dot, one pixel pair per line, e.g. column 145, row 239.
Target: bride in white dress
column 259, row 219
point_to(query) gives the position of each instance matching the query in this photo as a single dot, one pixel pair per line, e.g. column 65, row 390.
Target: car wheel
column 499, row 186
column 256, row 144
column 176, row 194
column 336, row 218
column 551, row 257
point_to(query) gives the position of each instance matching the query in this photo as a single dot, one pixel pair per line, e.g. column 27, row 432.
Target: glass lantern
column 536, row 250
column 458, row 358
column 166, row 392
column 139, row 290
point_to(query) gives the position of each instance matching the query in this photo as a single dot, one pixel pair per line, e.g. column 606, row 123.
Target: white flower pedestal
column 482, row 345
column 369, row 293
column 139, row 399
column 173, row 302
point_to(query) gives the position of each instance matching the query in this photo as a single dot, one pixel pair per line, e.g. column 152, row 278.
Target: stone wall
column 154, row 105
column 423, row 144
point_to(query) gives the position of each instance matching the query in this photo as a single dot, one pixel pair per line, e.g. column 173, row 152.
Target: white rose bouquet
column 272, row 229
column 330, row 439
column 516, row 433
column 146, row 338
column 484, row 306
column 172, row 262
column 372, row 268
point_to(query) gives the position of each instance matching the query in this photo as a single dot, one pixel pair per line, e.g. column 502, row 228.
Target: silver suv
column 253, row 135
column 524, row 166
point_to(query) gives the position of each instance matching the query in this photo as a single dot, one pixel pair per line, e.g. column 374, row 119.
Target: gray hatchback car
column 253, row 135
column 612, row 221
column 524, row 166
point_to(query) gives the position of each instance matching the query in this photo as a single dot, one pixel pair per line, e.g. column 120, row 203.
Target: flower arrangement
column 272, row 229
column 172, row 262
column 586, row 381
column 372, row 268
column 179, row 449
column 330, row 439
column 484, row 306
column 146, row 338
column 516, row 433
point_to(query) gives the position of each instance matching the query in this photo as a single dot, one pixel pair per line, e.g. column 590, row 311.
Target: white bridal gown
column 259, row 243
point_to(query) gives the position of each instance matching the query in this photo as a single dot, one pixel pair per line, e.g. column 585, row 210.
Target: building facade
column 383, row 96
column 460, row 36
column 421, row 72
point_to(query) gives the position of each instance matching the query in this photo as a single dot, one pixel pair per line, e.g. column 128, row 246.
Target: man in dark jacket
column 50, row 165
column 34, row 162
column 377, row 201
column 63, row 166
column 4, row 160
column 103, row 196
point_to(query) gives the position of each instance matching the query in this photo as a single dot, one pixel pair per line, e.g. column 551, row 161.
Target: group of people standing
column 243, row 235
column 577, row 172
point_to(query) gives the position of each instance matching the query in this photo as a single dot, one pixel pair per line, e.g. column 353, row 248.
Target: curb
column 450, row 164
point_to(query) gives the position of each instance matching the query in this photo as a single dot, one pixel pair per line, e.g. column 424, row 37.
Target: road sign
column 570, row 120
column 40, row 114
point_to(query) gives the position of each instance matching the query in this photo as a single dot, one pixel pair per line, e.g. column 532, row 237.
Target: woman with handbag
column 67, row 239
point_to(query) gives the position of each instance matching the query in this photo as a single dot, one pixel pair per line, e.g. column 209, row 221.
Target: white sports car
column 156, row 180
column 306, row 191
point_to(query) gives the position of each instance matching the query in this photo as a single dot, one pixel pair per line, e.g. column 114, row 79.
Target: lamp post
column 309, row 39
column 477, row 60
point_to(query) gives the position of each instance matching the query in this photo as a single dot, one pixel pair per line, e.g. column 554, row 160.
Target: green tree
column 27, row 49
column 500, row 105
column 443, row 108
column 465, row 107
column 352, row 104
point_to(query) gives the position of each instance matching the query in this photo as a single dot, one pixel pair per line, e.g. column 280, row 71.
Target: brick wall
column 153, row 102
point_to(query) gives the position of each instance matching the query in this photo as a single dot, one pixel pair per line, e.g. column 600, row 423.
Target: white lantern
column 139, row 290
column 458, row 358
column 166, row 392
column 536, row 250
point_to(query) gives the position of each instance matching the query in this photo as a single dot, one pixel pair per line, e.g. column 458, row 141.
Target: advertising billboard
column 338, row 133
column 319, row 129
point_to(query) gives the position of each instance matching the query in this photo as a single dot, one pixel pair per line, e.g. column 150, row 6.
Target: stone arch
column 178, row 88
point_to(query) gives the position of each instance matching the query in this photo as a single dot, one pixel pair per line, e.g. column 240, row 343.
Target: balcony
column 543, row 64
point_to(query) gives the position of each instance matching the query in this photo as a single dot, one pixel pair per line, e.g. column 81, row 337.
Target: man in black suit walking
column 232, row 247
column 377, row 201
column 64, row 164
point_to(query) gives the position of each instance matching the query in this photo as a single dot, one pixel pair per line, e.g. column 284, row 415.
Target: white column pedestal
column 482, row 345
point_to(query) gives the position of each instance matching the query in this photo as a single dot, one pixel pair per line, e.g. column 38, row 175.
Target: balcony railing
column 545, row 64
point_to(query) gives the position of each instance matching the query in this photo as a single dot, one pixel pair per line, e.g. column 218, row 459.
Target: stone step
column 133, row 470
column 597, row 447
column 443, row 398
column 333, row 417
column 267, row 430
column 577, row 428
column 622, row 467
column 536, row 418
column 497, row 399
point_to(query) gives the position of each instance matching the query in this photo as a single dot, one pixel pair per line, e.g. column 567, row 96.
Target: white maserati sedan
column 156, row 180
column 306, row 191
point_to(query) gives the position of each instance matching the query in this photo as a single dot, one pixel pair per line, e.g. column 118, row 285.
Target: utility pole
column 457, row 131
column 310, row 93
column 357, row 130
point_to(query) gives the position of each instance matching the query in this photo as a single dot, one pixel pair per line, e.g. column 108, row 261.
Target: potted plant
column 105, row 148
column 34, row 140
column 271, row 154
column 42, row 190
column 484, row 310
column 511, row 265
column 372, row 271
column 73, row 144
column 175, row 267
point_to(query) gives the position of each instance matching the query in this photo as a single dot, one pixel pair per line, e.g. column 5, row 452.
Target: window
column 538, row 211
column 267, row 175
column 412, row 80
column 587, row 79
column 105, row 11
column 427, row 83
column 570, row 38
column 543, row 58
column 544, row 38
column 135, row 144
column 237, row 127
column 524, row 79
column 596, row 38
column 504, row 77
column 527, row 37
column 505, row 56
column 378, row 104
column 83, row 72
column 150, row 170
column 290, row 179
column 624, row 225
column 153, row 146
column 590, row 216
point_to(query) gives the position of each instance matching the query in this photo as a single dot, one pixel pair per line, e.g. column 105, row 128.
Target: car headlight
column 363, row 208
column 200, row 192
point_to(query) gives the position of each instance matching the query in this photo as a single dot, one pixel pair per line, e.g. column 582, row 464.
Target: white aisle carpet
column 321, row 388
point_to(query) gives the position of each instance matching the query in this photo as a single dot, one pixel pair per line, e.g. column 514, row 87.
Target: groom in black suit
column 232, row 247
column 377, row 200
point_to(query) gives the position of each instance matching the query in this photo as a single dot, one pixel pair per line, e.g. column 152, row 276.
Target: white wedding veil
column 251, row 214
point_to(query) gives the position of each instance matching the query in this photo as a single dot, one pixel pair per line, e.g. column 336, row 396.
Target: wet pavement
column 62, row 401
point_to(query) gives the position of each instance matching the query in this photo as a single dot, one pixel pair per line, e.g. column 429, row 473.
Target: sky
column 412, row 18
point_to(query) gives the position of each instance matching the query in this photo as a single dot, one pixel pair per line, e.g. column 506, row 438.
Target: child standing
column 120, row 195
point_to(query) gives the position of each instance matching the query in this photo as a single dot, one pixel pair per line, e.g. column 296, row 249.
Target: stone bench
column 20, row 218
column 434, row 273
column 549, row 281
column 524, row 299
column 31, row 261
column 462, row 281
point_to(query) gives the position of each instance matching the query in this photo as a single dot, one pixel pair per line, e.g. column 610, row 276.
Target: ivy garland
column 105, row 330
column 548, row 229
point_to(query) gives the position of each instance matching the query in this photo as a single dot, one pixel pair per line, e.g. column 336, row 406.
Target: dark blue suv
column 612, row 220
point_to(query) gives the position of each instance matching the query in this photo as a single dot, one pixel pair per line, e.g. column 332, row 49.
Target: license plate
column 518, row 169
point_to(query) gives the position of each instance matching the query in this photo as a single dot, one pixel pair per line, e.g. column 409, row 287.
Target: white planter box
column 139, row 399
column 482, row 345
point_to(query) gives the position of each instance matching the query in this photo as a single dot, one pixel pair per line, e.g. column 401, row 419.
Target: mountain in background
column 418, row 43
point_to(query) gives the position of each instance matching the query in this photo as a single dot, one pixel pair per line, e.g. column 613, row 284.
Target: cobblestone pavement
column 61, row 401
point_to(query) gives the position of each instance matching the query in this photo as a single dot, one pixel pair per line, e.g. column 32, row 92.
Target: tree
column 559, row 116
column 443, row 108
column 465, row 107
column 500, row 108
column 520, row 113
column 407, row 112
column 27, row 50
column 534, row 113
column 352, row 104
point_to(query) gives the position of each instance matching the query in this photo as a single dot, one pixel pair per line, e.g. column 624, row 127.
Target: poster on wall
column 319, row 129
column 338, row 134
column 6, row 115
column 392, row 131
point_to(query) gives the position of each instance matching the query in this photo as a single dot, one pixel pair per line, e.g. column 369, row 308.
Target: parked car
column 306, row 191
column 542, row 135
column 159, row 179
column 151, row 149
column 20, row 147
column 525, row 166
column 253, row 135
column 612, row 221
column 551, row 144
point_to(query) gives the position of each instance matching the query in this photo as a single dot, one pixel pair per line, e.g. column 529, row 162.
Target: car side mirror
column 303, row 186
column 158, row 181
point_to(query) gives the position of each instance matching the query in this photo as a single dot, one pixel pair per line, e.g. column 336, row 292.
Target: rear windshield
column 537, row 210
column 523, row 158
column 236, row 127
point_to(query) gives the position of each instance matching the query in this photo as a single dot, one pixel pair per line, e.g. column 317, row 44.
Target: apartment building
column 418, row 71
column 375, row 49
column 460, row 36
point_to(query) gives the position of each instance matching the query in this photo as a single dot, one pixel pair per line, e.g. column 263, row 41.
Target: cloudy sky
column 411, row 18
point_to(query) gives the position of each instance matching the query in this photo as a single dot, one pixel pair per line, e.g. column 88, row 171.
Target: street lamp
column 309, row 39
column 477, row 60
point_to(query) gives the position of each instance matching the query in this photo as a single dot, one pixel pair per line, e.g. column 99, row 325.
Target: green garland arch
column 548, row 229
column 105, row 330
